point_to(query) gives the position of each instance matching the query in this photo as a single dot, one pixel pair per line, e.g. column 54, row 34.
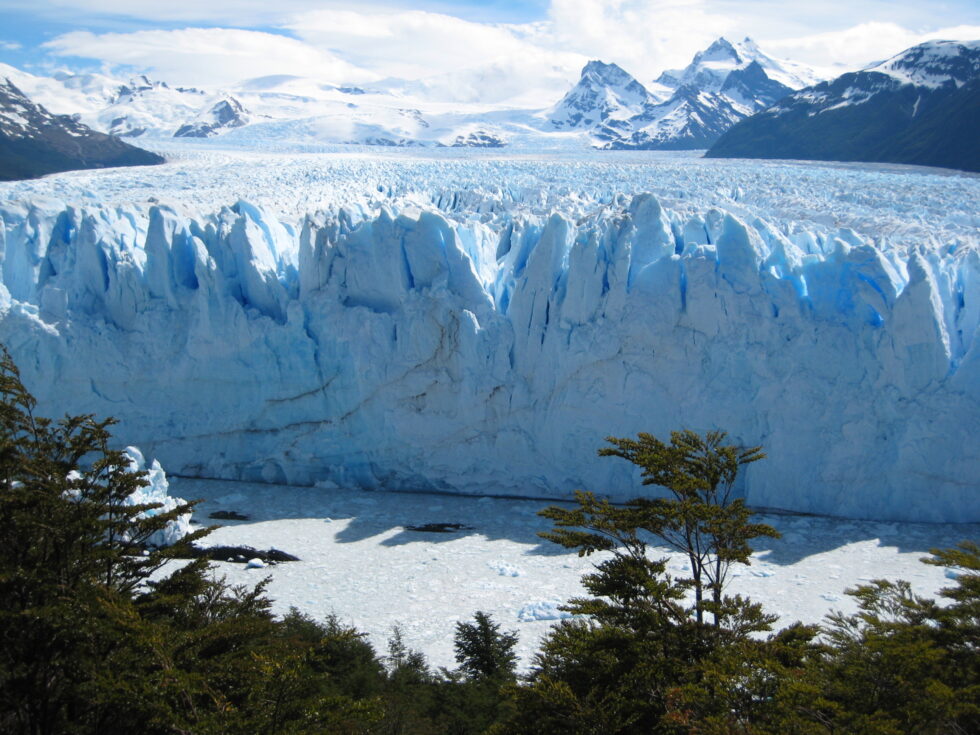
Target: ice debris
column 542, row 610
column 157, row 491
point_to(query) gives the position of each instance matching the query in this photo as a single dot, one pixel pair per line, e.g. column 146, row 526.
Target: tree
column 483, row 652
column 902, row 663
column 701, row 519
column 637, row 658
column 95, row 636
column 73, row 548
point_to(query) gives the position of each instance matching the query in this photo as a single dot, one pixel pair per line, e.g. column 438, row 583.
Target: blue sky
column 214, row 40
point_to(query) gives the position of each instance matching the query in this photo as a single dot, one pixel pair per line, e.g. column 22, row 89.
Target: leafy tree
column 702, row 520
column 483, row 652
column 73, row 547
column 638, row 654
column 96, row 636
column 902, row 663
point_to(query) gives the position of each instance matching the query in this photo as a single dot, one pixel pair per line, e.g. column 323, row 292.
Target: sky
column 491, row 44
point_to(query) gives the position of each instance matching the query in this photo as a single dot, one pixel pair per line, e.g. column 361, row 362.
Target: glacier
column 478, row 324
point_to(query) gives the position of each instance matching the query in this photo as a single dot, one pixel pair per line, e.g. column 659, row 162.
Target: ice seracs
column 157, row 492
column 454, row 325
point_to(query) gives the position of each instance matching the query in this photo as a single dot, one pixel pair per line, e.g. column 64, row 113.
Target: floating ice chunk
column 157, row 492
column 762, row 572
column 542, row 610
column 255, row 563
column 504, row 569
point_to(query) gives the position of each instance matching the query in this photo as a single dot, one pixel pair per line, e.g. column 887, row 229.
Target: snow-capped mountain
column 711, row 68
column 604, row 94
column 685, row 109
column 269, row 109
column 691, row 107
column 919, row 107
column 225, row 114
column 33, row 142
column 141, row 107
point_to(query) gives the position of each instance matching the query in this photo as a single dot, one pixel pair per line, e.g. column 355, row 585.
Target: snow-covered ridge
column 685, row 109
column 485, row 341
column 931, row 68
column 710, row 68
column 934, row 63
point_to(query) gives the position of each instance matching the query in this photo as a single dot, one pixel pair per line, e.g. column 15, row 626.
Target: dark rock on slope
column 920, row 107
column 33, row 142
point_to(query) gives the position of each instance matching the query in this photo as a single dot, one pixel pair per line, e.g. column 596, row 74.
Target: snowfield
column 358, row 561
column 478, row 323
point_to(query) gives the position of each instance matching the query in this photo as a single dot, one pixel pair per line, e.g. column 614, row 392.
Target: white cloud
column 862, row 44
column 463, row 60
column 10, row 46
column 208, row 56
column 413, row 44
column 643, row 37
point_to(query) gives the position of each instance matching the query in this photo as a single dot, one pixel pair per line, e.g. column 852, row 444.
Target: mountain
column 495, row 104
column 710, row 68
column 144, row 107
column 918, row 107
column 223, row 115
column 604, row 93
column 33, row 142
column 722, row 85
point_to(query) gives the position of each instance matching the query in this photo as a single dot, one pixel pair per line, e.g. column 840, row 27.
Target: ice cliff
column 476, row 346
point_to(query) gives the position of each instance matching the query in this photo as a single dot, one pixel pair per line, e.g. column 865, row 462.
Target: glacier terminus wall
column 487, row 342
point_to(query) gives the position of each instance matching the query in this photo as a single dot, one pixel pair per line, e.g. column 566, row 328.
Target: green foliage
column 483, row 652
column 701, row 519
column 638, row 657
column 99, row 635
column 902, row 663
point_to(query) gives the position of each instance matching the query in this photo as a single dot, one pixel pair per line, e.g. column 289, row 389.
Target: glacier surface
column 478, row 324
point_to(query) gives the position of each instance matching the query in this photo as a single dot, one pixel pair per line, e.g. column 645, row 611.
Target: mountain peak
column 710, row 67
column 604, row 92
column 609, row 73
column 721, row 49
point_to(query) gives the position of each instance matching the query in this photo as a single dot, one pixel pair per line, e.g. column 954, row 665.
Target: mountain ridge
column 723, row 84
column 33, row 142
column 913, row 108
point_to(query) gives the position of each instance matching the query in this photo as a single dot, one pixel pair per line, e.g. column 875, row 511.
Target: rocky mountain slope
column 33, row 142
column 918, row 107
